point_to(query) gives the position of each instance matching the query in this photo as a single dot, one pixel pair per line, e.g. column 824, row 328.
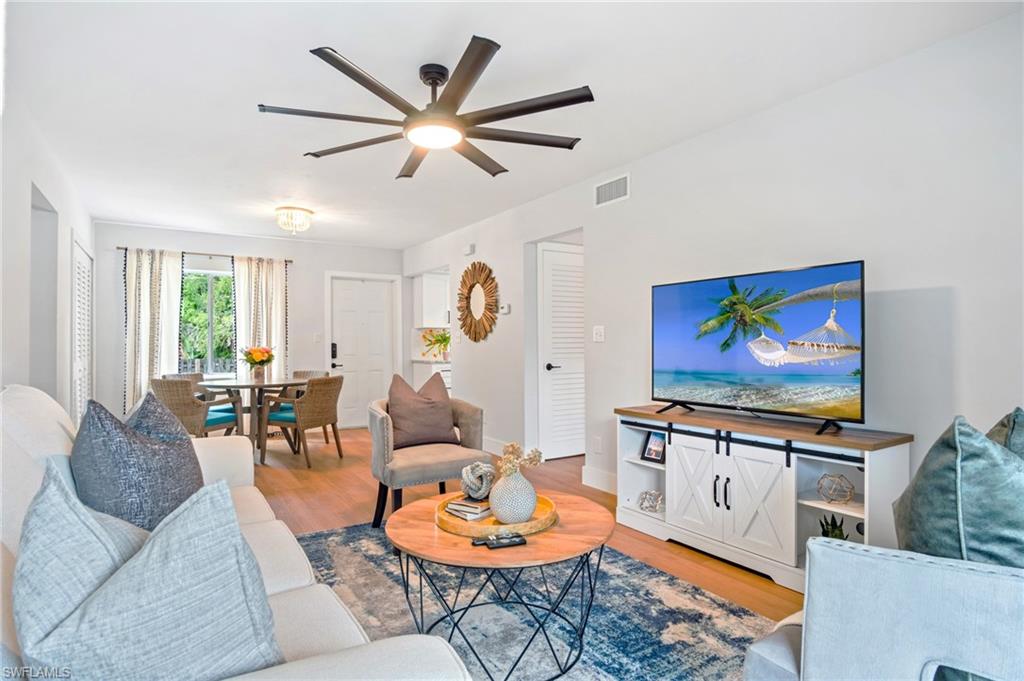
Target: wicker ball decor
column 478, row 274
column 835, row 488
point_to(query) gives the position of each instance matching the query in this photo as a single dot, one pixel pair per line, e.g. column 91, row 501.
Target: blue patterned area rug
column 644, row 624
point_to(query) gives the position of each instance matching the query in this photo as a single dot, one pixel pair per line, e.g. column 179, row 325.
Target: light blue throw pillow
column 108, row 601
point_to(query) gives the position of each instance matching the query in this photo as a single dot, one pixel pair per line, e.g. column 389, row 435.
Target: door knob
column 336, row 366
column 549, row 366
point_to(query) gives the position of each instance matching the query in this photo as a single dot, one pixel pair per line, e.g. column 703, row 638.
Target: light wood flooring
column 338, row 493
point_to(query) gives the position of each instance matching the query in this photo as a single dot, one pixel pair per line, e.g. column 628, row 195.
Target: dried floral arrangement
column 436, row 342
column 512, row 459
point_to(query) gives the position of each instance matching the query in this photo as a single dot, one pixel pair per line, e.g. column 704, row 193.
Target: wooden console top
column 798, row 431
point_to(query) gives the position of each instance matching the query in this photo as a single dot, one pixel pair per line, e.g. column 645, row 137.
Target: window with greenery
column 207, row 323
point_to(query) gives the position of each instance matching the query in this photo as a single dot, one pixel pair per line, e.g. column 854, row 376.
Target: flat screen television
column 782, row 342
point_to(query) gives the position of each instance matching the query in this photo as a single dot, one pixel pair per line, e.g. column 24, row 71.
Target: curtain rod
column 212, row 255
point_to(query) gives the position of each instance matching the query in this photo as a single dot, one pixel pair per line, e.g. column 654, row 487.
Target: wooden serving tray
column 544, row 516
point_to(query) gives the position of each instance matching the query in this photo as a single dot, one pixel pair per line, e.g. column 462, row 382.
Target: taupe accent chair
column 396, row 469
column 316, row 408
column 200, row 417
column 202, row 393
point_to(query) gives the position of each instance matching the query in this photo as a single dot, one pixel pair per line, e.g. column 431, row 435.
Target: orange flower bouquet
column 257, row 356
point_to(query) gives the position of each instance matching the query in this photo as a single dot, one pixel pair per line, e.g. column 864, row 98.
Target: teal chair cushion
column 282, row 416
column 218, row 418
column 286, row 406
column 965, row 500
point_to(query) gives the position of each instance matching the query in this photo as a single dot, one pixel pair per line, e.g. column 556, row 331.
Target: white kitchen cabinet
column 430, row 301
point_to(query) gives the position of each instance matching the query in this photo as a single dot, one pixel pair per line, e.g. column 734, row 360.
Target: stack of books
column 469, row 509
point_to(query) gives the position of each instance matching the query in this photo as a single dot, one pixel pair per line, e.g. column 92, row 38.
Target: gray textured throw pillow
column 106, row 600
column 139, row 470
column 420, row 417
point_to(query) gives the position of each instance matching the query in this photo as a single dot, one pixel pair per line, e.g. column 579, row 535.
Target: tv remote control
column 505, row 541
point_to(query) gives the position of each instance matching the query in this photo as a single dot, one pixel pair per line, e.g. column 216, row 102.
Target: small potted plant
column 832, row 529
column 437, row 343
column 258, row 357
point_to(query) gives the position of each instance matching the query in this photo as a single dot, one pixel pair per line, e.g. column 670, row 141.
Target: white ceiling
column 152, row 108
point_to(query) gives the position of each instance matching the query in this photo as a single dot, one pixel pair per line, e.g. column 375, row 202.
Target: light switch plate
column 505, row 308
column 599, row 334
column 458, row 337
column 318, row 337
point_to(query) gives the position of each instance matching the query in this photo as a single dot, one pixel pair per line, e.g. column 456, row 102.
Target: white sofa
column 317, row 634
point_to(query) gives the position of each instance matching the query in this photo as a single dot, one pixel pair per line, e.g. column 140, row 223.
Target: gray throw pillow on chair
column 139, row 470
column 106, row 600
column 421, row 417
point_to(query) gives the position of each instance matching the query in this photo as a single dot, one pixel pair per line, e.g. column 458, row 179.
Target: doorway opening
column 555, row 375
column 43, row 254
column 363, row 343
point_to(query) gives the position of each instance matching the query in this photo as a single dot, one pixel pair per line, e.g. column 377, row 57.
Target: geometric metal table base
column 513, row 589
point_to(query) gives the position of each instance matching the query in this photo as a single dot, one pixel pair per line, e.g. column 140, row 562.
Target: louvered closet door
column 561, row 415
column 81, row 341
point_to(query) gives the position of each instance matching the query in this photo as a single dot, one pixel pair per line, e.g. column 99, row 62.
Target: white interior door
column 561, row 417
column 759, row 499
column 362, row 326
column 693, row 492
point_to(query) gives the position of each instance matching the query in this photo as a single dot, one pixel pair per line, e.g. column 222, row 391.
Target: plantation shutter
column 81, row 341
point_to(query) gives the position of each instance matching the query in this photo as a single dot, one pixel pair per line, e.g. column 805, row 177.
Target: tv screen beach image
column 787, row 341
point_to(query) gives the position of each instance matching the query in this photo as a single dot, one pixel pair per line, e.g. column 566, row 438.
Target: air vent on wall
column 611, row 191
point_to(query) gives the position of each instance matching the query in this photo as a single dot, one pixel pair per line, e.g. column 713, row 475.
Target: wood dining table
column 257, row 390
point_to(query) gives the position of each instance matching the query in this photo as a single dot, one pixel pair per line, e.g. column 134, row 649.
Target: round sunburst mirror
column 478, row 301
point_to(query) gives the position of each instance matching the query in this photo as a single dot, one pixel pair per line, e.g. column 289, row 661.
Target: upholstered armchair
column 199, row 417
column 396, row 469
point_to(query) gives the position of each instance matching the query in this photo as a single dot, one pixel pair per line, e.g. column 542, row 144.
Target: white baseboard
column 599, row 478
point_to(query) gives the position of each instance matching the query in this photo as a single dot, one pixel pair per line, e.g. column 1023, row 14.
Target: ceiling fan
column 438, row 125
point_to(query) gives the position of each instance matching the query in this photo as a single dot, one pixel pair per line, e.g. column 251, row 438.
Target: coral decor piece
column 477, row 479
column 513, row 498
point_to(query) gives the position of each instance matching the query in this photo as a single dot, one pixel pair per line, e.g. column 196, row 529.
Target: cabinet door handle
column 726, row 491
column 717, row 478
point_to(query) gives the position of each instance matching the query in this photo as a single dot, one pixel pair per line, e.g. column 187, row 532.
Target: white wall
column 306, row 277
column 27, row 161
column 914, row 166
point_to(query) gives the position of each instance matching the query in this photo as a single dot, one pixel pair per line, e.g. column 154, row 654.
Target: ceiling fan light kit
column 439, row 125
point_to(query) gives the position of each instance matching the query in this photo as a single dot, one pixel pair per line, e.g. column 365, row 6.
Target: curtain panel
column 261, row 307
column 152, row 306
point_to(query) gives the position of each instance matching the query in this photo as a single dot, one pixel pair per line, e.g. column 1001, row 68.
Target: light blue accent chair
column 880, row 614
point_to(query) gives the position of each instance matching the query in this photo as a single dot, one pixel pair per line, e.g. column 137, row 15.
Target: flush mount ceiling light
column 439, row 125
column 294, row 219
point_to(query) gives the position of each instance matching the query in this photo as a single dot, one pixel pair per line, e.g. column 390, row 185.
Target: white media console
column 745, row 488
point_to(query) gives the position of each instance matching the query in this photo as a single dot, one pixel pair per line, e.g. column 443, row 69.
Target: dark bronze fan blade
column 416, row 157
column 365, row 79
column 519, row 137
column 474, row 60
column 529, row 106
column 479, row 158
column 355, row 145
column 326, row 114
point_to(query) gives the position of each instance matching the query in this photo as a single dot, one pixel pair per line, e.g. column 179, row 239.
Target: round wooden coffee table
column 550, row 580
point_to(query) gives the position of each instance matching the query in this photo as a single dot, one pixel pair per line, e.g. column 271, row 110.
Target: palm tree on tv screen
column 744, row 311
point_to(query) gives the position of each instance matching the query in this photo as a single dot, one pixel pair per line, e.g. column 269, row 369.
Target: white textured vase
column 513, row 499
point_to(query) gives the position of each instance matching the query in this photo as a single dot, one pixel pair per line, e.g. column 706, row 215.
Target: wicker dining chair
column 206, row 394
column 297, row 392
column 198, row 416
column 316, row 408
